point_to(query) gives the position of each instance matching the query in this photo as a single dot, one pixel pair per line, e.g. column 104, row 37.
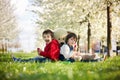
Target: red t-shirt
column 51, row 50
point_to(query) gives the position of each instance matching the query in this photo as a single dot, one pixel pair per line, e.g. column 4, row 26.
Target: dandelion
column 24, row 68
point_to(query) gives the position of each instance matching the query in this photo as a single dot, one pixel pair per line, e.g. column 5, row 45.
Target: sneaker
column 14, row 58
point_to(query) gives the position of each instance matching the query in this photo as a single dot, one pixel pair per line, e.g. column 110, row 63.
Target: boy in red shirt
column 51, row 51
column 52, row 48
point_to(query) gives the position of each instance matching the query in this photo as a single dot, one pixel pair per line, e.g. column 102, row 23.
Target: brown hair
column 48, row 31
column 69, row 36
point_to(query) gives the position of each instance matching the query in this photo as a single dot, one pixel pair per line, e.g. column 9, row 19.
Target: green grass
column 107, row 70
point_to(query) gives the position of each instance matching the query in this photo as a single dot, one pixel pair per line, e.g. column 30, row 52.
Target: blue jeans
column 35, row 59
column 93, row 60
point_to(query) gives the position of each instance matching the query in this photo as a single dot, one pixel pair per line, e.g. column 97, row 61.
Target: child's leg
column 92, row 58
column 39, row 59
column 61, row 57
column 23, row 60
column 36, row 59
column 77, row 57
column 16, row 59
column 88, row 57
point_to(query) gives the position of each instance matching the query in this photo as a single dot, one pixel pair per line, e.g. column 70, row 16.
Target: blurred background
column 23, row 21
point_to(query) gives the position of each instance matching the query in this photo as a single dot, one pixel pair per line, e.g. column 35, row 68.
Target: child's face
column 47, row 38
column 71, row 41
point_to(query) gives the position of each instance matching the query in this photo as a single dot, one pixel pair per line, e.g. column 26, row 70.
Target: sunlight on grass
column 107, row 70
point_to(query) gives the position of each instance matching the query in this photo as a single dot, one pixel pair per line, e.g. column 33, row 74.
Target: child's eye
column 63, row 38
column 48, row 36
column 58, row 38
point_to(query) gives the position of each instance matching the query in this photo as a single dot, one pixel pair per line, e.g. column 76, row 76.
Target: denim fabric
column 36, row 59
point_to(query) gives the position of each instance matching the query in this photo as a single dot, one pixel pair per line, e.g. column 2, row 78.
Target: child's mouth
column 46, row 40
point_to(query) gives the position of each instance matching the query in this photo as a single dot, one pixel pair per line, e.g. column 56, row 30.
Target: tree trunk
column 89, row 34
column 109, row 27
column 78, row 48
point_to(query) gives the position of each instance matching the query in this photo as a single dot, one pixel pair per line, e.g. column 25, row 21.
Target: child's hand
column 74, row 54
column 75, row 47
column 39, row 50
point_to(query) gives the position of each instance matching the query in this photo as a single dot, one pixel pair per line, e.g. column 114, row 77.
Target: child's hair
column 48, row 31
column 69, row 36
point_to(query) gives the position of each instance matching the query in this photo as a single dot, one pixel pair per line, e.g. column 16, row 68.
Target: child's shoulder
column 55, row 41
column 64, row 45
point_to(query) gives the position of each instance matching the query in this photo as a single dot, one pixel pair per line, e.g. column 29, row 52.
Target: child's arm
column 39, row 51
column 52, row 51
column 75, row 47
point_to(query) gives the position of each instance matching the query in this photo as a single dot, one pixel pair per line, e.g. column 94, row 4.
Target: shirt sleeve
column 65, row 51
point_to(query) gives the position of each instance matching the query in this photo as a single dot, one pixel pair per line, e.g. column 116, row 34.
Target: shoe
column 14, row 58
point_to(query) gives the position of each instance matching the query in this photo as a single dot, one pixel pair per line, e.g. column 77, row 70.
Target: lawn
column 107, row 70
